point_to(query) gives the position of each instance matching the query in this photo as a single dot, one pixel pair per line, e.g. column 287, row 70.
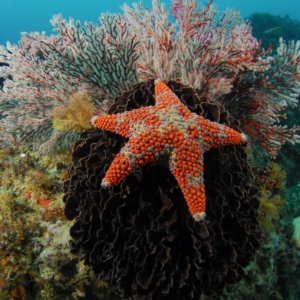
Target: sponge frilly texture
column 139, row 235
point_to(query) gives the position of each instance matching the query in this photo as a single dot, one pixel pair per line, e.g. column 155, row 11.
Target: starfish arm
column 186, row 164
column 107, row 122
column 118, row 170
column 215, row 135
column 121, row 123
column 233, row 137
column 164, row 96
column 137, row 152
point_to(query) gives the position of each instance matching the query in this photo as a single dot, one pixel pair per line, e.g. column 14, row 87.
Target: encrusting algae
column 35, row 261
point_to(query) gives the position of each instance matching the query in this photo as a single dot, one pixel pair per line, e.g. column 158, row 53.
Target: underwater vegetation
column 35, row 261
column 271, row 195
column 89, row 215
column 274, row 272
column 104, row 60
column 268, row 28
column 76, row 116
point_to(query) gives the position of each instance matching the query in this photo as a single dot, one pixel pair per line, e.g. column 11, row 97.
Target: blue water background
column 17, row 16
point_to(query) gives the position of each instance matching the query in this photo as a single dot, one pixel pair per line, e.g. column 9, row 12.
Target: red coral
column 43, row 202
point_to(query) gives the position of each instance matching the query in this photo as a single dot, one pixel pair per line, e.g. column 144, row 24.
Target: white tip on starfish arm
column 244, row 137
column 93, row 120
column 157, row 80
column 199, row 216
column 105, row 184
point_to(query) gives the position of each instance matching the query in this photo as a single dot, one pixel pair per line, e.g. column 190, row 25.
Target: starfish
column 167, row 128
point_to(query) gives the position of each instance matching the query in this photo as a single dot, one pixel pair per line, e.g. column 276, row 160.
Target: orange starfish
column 167, row 128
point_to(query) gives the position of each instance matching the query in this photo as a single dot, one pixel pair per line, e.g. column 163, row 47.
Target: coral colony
column 216, row 56
column 167, row 128
column 162, row 94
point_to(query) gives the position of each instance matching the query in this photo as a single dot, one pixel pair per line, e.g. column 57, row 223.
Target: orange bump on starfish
column 167, row 128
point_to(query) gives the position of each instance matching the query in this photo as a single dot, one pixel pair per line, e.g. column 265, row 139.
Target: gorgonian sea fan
column 215, row 54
